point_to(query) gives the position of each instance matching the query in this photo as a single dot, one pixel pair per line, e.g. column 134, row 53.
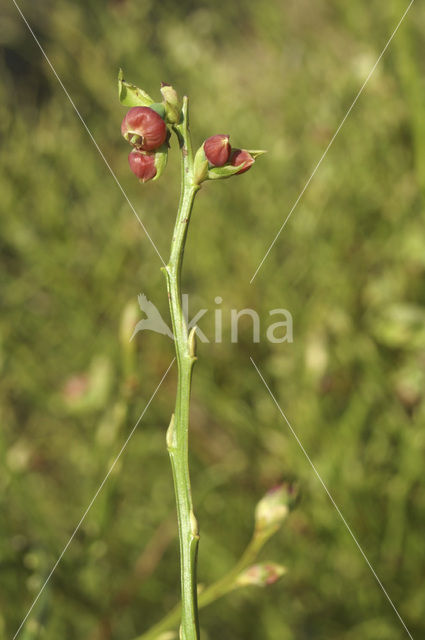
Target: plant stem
column 212, row 593
column 177, row 435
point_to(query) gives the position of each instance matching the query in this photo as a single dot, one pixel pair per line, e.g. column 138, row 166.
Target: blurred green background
column 349, row 266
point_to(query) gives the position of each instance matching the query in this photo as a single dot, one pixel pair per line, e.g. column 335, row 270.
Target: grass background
column 349, row 266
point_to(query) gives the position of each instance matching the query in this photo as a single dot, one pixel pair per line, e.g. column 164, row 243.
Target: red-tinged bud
column 217, row 150
column 273, row 508
column 261, row 575
column 144, row 128
column 142, row 164
column 241, row 156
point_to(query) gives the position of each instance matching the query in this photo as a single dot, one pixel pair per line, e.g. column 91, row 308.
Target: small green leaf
column 218, row 173
column 256, row 153
column 161, row 158
column 130, row 95
column 159, row 107
column 200, row 166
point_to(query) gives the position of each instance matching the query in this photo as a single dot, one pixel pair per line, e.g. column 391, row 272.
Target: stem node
column 192, row 343
column 171, row 434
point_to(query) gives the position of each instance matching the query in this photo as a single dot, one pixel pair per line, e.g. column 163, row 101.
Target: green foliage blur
column 349, row 266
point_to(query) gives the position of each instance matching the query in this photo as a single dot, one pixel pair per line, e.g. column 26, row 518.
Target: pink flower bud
column 240, row 156
column 261, row 574
column 142, row 164
column 217, row 150
column 144, row 128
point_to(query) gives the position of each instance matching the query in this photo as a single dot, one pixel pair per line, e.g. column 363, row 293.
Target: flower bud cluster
column 145, row 127
column 147, row 132
column 216, row 159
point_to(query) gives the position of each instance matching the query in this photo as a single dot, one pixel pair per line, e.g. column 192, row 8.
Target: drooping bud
column 261, row 574
column 144, row 128
column 273, row 508
column 217, row 150
column 241, row 156
column 142, row 164
column 148, row 165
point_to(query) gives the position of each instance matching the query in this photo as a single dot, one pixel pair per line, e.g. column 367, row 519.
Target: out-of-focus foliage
column 349, row 265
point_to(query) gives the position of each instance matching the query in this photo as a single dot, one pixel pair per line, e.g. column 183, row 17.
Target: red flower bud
column 142, row 164
column 240, row 156
column 144, row 128
column 217, row 150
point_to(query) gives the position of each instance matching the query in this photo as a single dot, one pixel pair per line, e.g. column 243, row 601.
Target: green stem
column 177, row 435
column 212, row 593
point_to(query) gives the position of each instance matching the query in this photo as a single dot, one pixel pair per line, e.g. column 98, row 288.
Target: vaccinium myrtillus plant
column 148, row 126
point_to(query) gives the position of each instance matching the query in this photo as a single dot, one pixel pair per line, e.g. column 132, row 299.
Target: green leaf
column 161, row 158
column 200, row 166
column 130, row 95
column 218, row 173
column 256, row 153
column 159, row 107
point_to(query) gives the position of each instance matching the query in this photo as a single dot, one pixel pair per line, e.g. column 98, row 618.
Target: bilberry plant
column 148, row 127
